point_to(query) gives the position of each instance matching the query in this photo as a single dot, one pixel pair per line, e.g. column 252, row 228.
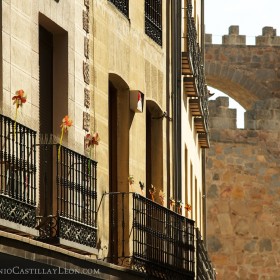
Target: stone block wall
column 234, row 38
column 268, row 37
column 246, row 73
column 243, row 193
column 265, row 115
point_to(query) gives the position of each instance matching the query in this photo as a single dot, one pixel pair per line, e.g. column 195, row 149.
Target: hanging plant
column 66, row 122
column 19, row 99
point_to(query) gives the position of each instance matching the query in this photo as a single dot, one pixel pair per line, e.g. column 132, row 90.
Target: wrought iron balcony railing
column 122, row 6
column 72, row 215
column 205, row 268
column 153, row 20
column 154, row 240
column 17, row 173
column 192, row 66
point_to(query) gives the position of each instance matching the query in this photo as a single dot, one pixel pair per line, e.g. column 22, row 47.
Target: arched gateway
column 243, row 165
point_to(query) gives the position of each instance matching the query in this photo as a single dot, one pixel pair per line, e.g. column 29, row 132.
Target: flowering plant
column 92, row 140
column 130, row 179
column 142, row 186
column 161, row 196
column 179, row 205
column 19, row 99
column 171, row 201
column 66, row 123
column 188, row 207
column 152, row 191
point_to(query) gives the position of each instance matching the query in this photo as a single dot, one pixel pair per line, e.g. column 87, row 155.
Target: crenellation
column 268, row 31
column 222, row 116
column 268, row 38
column 208, row 38
column 242, row 165
column 233, row 30
column 233, row 38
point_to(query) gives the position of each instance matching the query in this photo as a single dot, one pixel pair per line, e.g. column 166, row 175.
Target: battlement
column 264, row 115
column 268, row 37
column 221, row 116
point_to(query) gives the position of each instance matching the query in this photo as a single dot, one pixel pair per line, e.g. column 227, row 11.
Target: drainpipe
column 202, row 32
column 168, row 151
column 203, row 150
column 176, row 91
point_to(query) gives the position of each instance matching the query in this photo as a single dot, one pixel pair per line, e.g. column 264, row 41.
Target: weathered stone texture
column 268, row 37
column 246, row 73
column 243, row 192
column 234, row 38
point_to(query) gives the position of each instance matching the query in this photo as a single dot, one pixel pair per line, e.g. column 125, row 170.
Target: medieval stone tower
column 243, row 165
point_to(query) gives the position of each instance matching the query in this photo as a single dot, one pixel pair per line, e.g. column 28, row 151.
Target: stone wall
column 247, row 73
column 243, row 191
column 268, row 37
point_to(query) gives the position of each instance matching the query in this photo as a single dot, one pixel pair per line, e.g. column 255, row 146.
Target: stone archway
column 247, row 73
column 243, row 165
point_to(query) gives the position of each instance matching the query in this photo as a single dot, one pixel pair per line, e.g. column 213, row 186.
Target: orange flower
column 92, row 140
column 188, row 207
column 19, row 98
column 66, row 122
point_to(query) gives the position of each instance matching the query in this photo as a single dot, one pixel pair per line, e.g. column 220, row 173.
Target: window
column 153, row 20
column 121, row 5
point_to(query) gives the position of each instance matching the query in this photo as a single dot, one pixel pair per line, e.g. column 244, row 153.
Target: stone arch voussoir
column 235, row 83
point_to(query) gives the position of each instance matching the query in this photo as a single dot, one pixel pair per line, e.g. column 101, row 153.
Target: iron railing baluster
column 16, row 172
column 162, row 240
column 153, row 22
column 205, row 268
column 122, row 6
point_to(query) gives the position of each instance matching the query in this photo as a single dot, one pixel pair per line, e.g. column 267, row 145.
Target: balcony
column 152, row 240
column 194, row 75
column 17, row 177
column 205, row 268
column 68, row 206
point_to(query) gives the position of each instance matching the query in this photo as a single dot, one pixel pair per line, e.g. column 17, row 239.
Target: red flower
column 188, row 207
column 19, row 98
column 66, row 122
column 92, row 140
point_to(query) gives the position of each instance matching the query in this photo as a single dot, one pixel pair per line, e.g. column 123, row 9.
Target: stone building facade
column 243, row 164
column 103, row 126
